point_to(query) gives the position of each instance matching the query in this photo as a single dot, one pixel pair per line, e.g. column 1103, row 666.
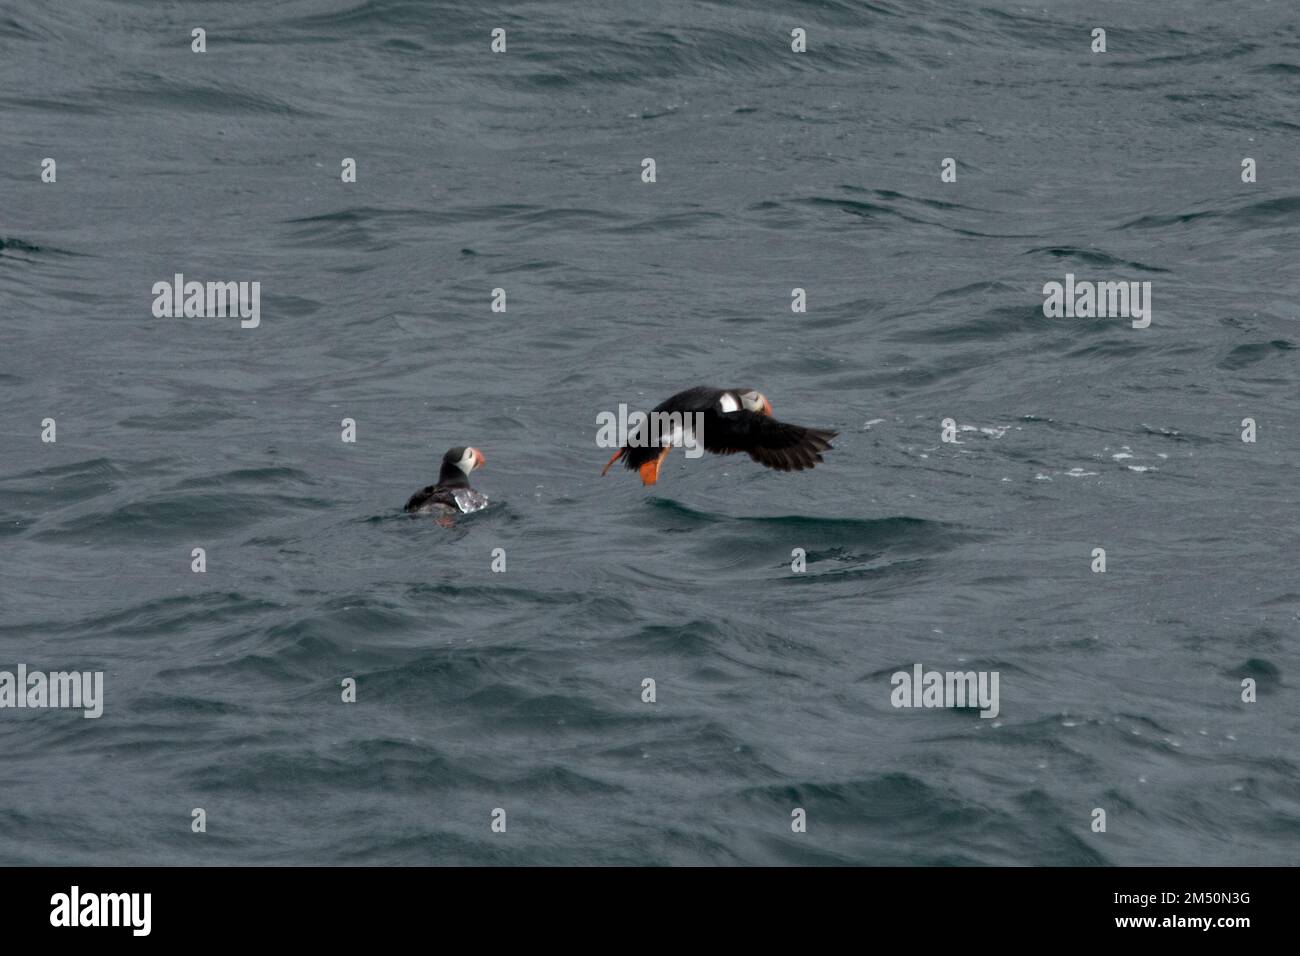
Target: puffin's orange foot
column 650, row 470
column 617, row 455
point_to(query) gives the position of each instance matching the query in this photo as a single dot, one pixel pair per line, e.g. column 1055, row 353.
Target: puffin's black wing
column 432, row 495
column 766, row 440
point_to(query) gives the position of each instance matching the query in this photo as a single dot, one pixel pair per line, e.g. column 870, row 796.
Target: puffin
column 452, row 494
column 733, row 420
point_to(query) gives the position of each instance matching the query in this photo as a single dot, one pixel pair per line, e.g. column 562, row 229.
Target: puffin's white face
column 755, row 402
column 473, row 458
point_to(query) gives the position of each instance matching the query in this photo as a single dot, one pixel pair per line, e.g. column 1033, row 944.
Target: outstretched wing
column 769, row 442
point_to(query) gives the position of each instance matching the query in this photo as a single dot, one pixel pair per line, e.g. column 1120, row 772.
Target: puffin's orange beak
column 479, row 458
column 767, row 407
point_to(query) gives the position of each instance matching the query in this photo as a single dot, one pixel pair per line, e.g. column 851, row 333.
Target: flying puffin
column 452, row 494
column 734, row 420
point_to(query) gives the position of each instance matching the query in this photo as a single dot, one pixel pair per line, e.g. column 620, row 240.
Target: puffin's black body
column 735, row 420
column 452, row 492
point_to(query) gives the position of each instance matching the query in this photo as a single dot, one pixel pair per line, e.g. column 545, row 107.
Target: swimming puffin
column 452, row 494
column 734, row 420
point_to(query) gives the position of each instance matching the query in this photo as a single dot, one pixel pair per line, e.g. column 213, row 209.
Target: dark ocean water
column 522, row 690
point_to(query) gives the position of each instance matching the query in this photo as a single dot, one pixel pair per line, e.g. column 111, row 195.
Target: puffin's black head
column 755, row 401
column 458, row 463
